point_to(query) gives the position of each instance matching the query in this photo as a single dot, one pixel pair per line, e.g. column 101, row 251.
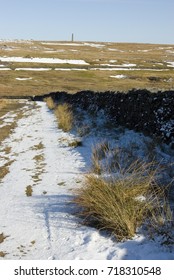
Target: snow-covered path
column 42, row 226
column 35, row 224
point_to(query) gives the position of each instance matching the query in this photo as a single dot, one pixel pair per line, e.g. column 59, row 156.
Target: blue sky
column 144, row 21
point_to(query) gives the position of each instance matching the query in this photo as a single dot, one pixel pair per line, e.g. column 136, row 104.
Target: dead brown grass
column 4, row 170
column 2, row 237
column 2, row 254
column 39, row 165
column 9, row 106
column 5, row 131
column 29, row 190
column 145, row 56
column 121, row 205
column 50, row 103
column 3, row 103
column 39, row 146
column 39, row 158
column 64, row 115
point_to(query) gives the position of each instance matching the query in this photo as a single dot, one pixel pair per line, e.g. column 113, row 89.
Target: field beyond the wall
column 39, row 67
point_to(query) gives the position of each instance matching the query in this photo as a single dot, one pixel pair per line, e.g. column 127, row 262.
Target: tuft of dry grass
column 38, row 158
column 99, row 152
column 50, row 102
column 2, row 254
column 64, row 116
column 2, row 237
column 3, row 103
column 4, row 170
column 123, row 204
column 29, row 191
column 39, row 146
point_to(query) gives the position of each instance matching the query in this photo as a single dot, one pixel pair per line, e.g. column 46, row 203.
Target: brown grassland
column 151, row 71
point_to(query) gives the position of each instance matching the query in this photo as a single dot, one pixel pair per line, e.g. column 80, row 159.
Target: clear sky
column 144, row 21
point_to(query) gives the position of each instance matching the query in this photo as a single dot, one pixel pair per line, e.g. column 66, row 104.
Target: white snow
column 16, row 41
column 70, row 69
column 5, row 69
column 115, row 50
column 127, row 69
column 23, row 79
column 57, row 51
column 42, row 60
column 107, row 64
column 33, row 69
column 119, row 76
column 171, row 64
column 169, row 51
column 62, row 44
column 112, row 60
column 129, row 65
column 145, row 51
column 95, row 45
column 112, row 69
column 43, row 226
column 122, row 65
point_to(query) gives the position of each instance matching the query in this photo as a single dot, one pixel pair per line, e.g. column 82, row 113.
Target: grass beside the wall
column 64, row 116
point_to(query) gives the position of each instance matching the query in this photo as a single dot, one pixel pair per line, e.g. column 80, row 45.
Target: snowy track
column 42, row 226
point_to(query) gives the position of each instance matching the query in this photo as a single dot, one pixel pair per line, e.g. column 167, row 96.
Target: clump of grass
column 4, row 170
column 38, row 158
column 7, row 150
column 29, row 191
column 96, row 165
column 39, row 146
column 3, row 103
column 101, row 149
column 99, row 152
column 64, row 116
column 2, row 254
column 2, row 237
column 121, row 205
column 61, row 184
column 50, row 103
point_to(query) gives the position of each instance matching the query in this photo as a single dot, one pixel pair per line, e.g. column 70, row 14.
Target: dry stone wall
column 141, row 110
